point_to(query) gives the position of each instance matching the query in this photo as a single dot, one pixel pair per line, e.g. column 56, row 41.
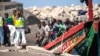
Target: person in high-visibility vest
column 14, row 16
column 1, row 32
column 20, row 31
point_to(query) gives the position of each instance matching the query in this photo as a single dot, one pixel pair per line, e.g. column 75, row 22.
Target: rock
column 58, row 12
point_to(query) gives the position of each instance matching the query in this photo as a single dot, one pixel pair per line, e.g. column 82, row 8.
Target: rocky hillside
column 58, row 12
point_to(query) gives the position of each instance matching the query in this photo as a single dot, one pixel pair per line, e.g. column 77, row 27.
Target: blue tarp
column 82, row 12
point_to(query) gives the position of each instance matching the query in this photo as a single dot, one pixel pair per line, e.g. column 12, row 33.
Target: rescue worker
column 20, row 31
column 1, row 32
column 14, row 15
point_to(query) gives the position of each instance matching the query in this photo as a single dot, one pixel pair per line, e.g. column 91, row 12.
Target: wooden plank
column 75, row 44
column 70, row 42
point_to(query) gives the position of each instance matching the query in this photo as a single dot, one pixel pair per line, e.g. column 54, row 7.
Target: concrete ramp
column 38, row 50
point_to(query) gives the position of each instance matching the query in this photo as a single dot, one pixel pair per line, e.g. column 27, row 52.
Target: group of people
column 49, row 30
column 12, row 32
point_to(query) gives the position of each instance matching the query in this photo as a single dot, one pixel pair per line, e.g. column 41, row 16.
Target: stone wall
column 5, row 0
column 9, row 5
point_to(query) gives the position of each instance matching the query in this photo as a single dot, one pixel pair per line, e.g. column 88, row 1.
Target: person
column 10, row 24
column 62, row 28
column 42, row 38
column 1, row 32
column 20, row 31
column 67, row 24
column 39, row 35
column 55, row 29
column 43, row 33
column 14, row 15
column 47, row 31
column 6, row 33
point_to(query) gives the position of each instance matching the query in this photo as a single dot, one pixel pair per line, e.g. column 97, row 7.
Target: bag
column 27, row 30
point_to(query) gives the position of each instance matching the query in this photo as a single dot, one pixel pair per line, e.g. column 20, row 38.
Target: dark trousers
column 42, row 41
column 6, row 36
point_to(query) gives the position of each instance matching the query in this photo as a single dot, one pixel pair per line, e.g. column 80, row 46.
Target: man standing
column 9, row 22
column 20, row 31
column 1, row 32
column 14, row 15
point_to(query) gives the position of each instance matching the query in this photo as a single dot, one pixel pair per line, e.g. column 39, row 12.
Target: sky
column 42, row 3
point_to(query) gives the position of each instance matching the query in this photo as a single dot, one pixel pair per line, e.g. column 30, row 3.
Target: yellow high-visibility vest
column 13, row 18
column 19, row 22
column 1, row 21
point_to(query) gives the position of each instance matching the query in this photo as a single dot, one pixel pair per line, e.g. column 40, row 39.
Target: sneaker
column 19, row 47
column 23, row 46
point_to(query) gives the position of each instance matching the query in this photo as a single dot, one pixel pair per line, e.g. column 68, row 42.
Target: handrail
column 66, row 35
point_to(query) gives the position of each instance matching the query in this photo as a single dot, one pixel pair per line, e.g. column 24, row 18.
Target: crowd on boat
column 49, row 30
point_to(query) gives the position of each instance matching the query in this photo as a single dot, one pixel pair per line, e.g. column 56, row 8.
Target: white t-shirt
column 41, row 30
column 47, row 29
